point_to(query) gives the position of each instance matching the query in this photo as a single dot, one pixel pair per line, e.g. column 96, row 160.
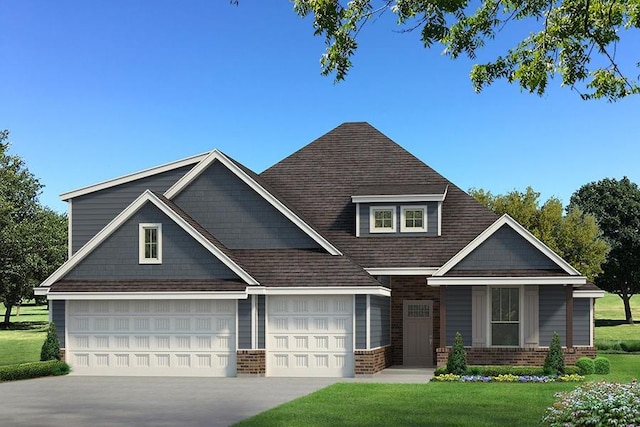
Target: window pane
column 151, row 243
column 514, row 305
column 495, row 304
column 383, row 219
column 505, row 334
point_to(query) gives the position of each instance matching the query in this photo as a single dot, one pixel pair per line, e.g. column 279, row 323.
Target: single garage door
column 161, row 338
column 310, row 336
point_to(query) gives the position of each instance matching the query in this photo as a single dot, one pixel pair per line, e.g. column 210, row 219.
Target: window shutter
column 530, row 318
column 479, row 316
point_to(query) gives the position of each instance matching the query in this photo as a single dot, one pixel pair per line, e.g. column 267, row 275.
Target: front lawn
column 610, row 321
column 22, row 342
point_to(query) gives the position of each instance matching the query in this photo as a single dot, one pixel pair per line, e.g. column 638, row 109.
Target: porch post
column 569, row 313
column 443, row 317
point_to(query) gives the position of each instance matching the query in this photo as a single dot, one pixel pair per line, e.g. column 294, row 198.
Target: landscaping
column 22, row 341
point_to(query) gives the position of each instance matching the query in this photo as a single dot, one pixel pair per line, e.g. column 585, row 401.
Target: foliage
column 573, row 39
column 616, row 206
column 618, row 346
column 508, row 378
column 51, row 346
column 586, row 366
column 574, row 236
column 457, row 360
column 601, row 365
column 33, row 370
column 554, row 362
column 447, row 377
column 600, row 403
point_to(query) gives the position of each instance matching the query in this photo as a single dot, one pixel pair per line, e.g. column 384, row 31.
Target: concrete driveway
column 144, row 401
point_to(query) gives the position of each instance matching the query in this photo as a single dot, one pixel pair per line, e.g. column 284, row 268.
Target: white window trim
column 372, row 218
column 142, row 259
column 520, row 318
column 403, row 225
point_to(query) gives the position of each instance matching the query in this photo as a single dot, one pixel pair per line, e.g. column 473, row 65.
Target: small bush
column 571, row 370
column 494, row 371
column 440, row 371
column 51, row 347
column 33, row 370
column 596, row 404
column 630, row 346
column 601, row 365
column 585, row 365
column 457, row 360
column 554, row 362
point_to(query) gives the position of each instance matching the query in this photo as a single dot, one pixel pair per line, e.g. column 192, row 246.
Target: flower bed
column 508, row 378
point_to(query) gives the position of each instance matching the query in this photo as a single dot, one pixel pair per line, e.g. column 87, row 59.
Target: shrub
column 33, row 370
column 585, row 365
column 598, row 404
column 51, row 347
column 440, row 371
column 554, row 362
column 571, row 369
column 494, row 371
column 630, row 346
column 601, row 365
column 457, row 360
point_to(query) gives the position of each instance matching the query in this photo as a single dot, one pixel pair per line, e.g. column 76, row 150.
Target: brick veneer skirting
column 251, row 362
column 371, row 361
column 62, row 354
column 514, row 356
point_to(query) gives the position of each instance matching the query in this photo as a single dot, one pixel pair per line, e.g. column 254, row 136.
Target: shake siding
column 552, row 318
column 238, row 216
column 261, row 321
column 91, row 212
column 581, row 321
column 182, row 257
column 458, row 306
column 58, row 318
column 244, row 323
column 432, row 219
column 380, row 321
column 361, row 322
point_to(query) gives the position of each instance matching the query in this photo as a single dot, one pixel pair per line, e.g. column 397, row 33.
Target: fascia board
column 183, row 182
column 133, row 176
column 588, row 294
column 401, row 271
column 500, row 281
column 145, row 295
column 398, row 198
column 329, row 290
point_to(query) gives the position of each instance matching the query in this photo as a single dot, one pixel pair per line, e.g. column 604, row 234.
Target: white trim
column 142, row 227
column 329, row 290
column 66, row 332
column 591, row 322
column 214, row 155
column 506, row 219
column 133, row 176
column 357, row 219
column 520, row 315
column 254, row 323
column 39, row 291
column 577, row 293
column 146, row 295
column 50, row 310
column 401, row 271
column 506, row 281
column 399, row 198
column 122, row 217
column 440, row 219
column 367, row 322
column 372, row 218
column 237, row 327
column 403, row 224
column 69, row 230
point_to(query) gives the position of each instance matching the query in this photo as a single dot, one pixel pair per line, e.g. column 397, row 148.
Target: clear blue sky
column 92, row 90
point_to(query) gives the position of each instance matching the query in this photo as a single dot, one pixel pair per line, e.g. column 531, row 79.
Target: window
column 414, row 219
column 382, row 219
column 505, row 316
column 150, row 243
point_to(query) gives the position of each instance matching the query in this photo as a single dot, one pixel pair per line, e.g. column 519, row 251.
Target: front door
column 417, row 333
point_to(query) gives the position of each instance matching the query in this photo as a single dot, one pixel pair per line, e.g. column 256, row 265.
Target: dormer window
column 413, row 219
column 383, row 219
column 150, row 250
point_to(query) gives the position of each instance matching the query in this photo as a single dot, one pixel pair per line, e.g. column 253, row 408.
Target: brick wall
column 251, row 362
column 369, row 362
column 514, row 356
column 63, row 354
column 411, row 288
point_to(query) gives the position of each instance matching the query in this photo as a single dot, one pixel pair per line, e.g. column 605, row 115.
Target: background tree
column 616, row 205
column 575, row 39
column 574, row 236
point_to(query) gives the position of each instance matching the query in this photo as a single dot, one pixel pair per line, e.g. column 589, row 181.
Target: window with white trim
column 505, row 317
column 413, row 219
column 382, row 219
column 150, row 236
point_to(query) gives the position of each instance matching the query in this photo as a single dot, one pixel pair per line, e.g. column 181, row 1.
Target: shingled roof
column 319, row 180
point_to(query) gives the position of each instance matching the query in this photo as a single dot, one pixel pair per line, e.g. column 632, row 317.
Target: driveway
column 146, row 401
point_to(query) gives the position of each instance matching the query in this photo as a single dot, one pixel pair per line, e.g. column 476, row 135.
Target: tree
column 575, row 39
column 554, row 361
column 51, row 347
column 457, row 360
column 616, row 206
column 574, row 236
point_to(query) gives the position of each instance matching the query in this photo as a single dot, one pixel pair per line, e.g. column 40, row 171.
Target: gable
column 116, row 258
column 236, row 214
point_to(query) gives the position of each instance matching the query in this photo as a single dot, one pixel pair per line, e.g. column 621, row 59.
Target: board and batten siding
column 380, row 321
column 582, row 321
column 459, row 313
column 58, row 317
column 361, row 322
column 552, row 300
column 244, row 324
column 237, row 215
column 117, row 257
column 91, row 212
column 432, row 219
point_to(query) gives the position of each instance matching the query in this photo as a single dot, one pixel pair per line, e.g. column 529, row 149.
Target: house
column 346, row 257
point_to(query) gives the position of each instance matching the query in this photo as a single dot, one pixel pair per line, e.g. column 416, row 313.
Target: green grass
column 610, row 320
column 23, row 341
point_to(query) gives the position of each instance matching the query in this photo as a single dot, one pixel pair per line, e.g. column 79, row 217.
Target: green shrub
column 601, row 365
column 571, row 370
column 596, row 404
column 457, row 360
column 440, row 371
column 51, row 347
column 496, row 370
column 608, row 346
column 585, row 365
column 33, row 370
column 630, row 346
column 554, row 362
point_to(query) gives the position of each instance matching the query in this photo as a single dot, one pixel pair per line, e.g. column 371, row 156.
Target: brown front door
column 417, row 333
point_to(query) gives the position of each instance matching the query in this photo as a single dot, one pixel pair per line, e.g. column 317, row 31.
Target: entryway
column 417, row 334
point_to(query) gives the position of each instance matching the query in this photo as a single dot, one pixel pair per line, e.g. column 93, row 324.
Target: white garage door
column 310, row 336
column 161, row 338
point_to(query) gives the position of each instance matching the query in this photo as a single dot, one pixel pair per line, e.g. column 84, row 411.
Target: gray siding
column 432, row 219
column 380, row 321
column 361, row 322
column 91, row 212
column 458, row 306
column 261, row 321
column 238, row 216
column 244, row 323
column 552, row 318
column 182, row 257
column 505, row 250
column 581, row 321
column 58, row 319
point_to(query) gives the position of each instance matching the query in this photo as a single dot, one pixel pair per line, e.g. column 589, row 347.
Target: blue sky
column 94, row 90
